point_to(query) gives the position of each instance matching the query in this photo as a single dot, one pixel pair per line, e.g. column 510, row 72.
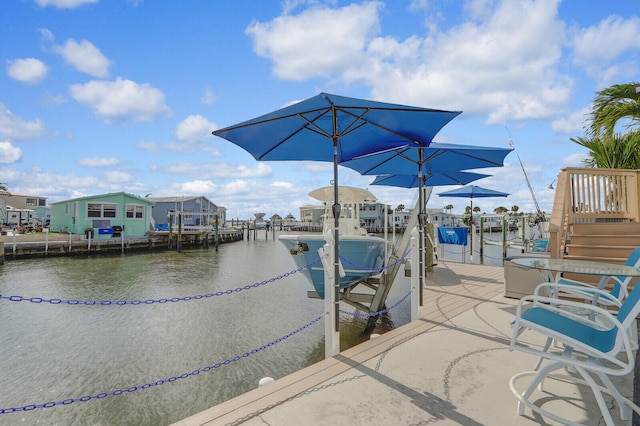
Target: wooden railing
column 592, row 195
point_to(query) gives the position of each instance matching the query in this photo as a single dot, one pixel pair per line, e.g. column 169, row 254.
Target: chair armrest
column 578, row 290
column 564, row 309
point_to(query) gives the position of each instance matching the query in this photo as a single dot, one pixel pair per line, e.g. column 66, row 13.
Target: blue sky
column 103, row 96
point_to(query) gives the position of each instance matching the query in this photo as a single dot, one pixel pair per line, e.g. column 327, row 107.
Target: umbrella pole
column 421, row 225
column 472, row 233
column 336, row 223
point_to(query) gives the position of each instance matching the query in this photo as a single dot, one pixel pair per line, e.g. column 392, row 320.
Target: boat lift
column 371, row 302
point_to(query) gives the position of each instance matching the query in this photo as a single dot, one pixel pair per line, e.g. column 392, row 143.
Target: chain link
column 75, row 302
column 373, row 314
column 117, row 392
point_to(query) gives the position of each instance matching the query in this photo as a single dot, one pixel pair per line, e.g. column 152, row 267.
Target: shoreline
column 28, row 246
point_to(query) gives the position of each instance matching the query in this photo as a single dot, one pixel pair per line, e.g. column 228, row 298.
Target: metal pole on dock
column 179, row 241
column 217, row 235
column 482, row 239
column 416, row 289
column 505, row 230
column 170, row 231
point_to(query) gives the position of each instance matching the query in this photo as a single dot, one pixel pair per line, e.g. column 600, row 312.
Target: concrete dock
column 451, row 367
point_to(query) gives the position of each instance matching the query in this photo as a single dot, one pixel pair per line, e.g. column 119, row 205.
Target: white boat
column 361, row 254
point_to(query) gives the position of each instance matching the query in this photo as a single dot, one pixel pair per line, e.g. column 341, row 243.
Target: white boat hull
column 362, row 256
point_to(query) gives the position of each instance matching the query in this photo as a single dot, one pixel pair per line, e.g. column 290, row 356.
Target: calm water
column 55, row 352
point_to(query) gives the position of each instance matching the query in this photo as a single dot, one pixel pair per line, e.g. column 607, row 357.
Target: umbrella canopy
column 473, row 191
column 437, row 157
column 306, row 130
column 433, row 179
column 335, row 128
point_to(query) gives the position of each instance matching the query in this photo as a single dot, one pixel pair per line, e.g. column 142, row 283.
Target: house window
column 102, row 210
column 134, row 211
column 31, row 202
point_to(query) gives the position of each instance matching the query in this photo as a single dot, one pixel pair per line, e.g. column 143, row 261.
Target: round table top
column 577, row 266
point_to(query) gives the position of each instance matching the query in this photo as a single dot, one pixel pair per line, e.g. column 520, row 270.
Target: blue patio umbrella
column 437, row 157
column 471, row 192
column 335, row 128
column 434, row 179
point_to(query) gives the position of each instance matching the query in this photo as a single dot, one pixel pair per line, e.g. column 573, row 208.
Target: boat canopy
column 346, row 194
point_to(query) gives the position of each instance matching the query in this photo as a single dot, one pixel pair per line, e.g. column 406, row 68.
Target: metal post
column 505, row 231
column 482, row 239
column 179, row 241
column 416, row 289
column 217, row 235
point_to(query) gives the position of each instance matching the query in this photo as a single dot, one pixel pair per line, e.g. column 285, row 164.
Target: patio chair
column 619, row 290
column 595, row 345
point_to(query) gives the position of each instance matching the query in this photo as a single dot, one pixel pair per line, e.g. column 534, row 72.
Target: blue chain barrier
column 74, row 302
column 373, row 314
column 362, row 268
column 117, row 392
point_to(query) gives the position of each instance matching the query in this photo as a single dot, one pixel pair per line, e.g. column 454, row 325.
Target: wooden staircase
column 610, row 242
column 603, row 241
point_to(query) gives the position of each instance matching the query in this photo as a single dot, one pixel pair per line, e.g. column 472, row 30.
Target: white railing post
column 416, row 282
column 331, row 336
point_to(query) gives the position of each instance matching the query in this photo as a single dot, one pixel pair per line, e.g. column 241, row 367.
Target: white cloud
column 64, row 4
column 575, row 160
column 15, row 128
column 148, row 146
column 28, row 70
column 502, row 62
column 120, row 100
column 614, row 39
column 46, row 34
column 318, row 42
column 611, row 38
column 195, row 128
column 208, row 98
column 9, row 153
column 84, row 57
column 118, row 177
column 98, row 162
column 220, row 170
column 575, row 122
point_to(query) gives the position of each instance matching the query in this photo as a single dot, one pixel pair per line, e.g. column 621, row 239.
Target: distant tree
column 3, row 188
column 467, row 210
column 400, row 207
column 448, row 207
column 500, row 210
column 515, row 209
column 476, row 209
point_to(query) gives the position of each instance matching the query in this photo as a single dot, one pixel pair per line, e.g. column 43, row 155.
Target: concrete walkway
column 451, row 367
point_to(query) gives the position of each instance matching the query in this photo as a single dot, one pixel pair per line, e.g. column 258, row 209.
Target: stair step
column 603, row 251
column 618, row 260
column 630, row 240
column 606, row 228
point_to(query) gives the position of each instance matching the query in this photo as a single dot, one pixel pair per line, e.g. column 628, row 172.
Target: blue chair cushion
column 601, row 340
